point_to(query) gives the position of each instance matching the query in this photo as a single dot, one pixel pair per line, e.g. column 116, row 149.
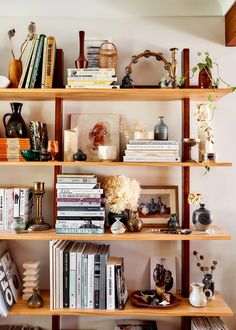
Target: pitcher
column 15, row 127
column 197, row 297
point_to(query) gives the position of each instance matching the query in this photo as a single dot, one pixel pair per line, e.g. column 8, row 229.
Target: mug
column 107, row 153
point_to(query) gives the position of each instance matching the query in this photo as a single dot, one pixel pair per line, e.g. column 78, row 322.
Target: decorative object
column 18, row 225
column 143, row 135
column 80, row 156
column 81, row 61
column 107, row 55
column 107, row 153
column 4, row 82
column 202, row 218
column 190, row 142
column 171, row 67
column 15, row 65
column 118, row 227
column 197, row 297
column 35, row 301
column 53, row 149
column 15, row 126
column 134, row 222
column 157, row 203
column 37, row 223
column 203, row 114
column 161, row 130
column 163, row 267
column 30, row 155
column 92, row 46
column 38, row 136
column 30, row 278
column 70, row 144
column 205, row 78
column 209, row 286
column 152, row 300
column 122, row 216
column 173, row 222
column 45, row 156
column 96, row 130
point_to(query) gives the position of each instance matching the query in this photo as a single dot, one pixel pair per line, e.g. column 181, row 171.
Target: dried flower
column 194, row 198
column 204, row 115
column 121, row 193
column 204, row 269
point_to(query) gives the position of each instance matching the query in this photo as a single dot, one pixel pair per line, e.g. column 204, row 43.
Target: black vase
column 15, row 127
column 122, row 216
column 209, row 286
column 202, row 218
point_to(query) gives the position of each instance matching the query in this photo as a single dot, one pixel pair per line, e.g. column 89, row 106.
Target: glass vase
column 161, row 130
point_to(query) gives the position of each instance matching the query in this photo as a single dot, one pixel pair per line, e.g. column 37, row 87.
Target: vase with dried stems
column 15, row 65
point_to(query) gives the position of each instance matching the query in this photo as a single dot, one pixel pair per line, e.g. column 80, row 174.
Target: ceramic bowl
column 30, row 155
column 4, row 82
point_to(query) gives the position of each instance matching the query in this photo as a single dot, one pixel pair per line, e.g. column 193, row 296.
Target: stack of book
column 92, row 78
column 208, row 323
column 80, row 208
column 10, row 148
column 152, row 151
column 83, row 276
column 14, row 202
column 39, row 68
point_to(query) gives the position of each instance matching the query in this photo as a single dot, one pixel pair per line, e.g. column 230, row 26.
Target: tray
column 137, row 299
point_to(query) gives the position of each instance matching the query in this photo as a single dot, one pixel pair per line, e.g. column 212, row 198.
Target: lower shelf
column 216, row 307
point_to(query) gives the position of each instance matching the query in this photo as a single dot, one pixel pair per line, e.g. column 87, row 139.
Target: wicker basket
column 108, row 57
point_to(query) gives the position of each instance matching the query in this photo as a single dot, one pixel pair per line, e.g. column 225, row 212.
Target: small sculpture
column 80, row 156
column 35, row 301
column 173, row 222
column 31, row 278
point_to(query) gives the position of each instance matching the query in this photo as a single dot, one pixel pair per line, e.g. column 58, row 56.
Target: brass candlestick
column 37, row 222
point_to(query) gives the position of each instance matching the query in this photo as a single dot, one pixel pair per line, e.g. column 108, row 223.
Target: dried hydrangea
column 121, row 193
column 202, row 114
column 194, row 198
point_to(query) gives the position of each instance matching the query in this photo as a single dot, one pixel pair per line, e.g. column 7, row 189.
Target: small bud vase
column 209, row 286
column 15, row 72
column 202, row 218
column 18, row 225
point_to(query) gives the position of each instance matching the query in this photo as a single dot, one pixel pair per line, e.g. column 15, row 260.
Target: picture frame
column 169, row 263
column 92, row 46
column 94, row 130
column 156, row 204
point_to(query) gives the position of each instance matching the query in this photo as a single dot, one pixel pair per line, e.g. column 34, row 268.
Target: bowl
column 4, row 82
column 30, row 155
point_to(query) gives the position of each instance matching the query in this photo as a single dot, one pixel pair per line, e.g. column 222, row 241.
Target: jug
column 197, row 297
column 15, row 127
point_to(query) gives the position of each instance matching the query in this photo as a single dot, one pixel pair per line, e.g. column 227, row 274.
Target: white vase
column 197, row 297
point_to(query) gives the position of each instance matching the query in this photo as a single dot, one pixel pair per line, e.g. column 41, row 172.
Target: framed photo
column 92, row 46
column 94, row 130
column 156, row 204
column 163, row 268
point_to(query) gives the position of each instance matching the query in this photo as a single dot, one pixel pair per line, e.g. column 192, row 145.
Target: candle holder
column 37, row 222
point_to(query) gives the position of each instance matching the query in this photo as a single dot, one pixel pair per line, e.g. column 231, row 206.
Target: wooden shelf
column 145, row 235
column 139, row 94
column 216, row 307
column 156, row 164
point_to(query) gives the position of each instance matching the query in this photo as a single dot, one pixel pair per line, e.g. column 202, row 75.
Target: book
column 75, row 72
column 104, row 254
column 81, row 200
column 57, row 284
column 82, row 192
column 151, row 159
column 80, row 224
column 79, row 196
column 91, row 255
column 76, row 179
column 76, row 175
column 97, row 275
column 37, row 68
column 66, row 275
column 31, row 65
column 79, row 204
column 60, row 270
column 110, row 283
column 94, row 86
column 75, row 185
column 58, row 80
column 16, row 198
column 50, row 61
column 155, row 142
column 82, row 218
column 88, row 82
column 121, row 289
column 84, row 275
column 79, row 274
column 73, row 275
column 27, row 63
column 2, row 197
column 152, row 147
column 44, row 63
column 79, row 231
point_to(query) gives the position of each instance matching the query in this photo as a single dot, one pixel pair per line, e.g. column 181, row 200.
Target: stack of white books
column 208, row 323
column 92, row 78
column 152, row 151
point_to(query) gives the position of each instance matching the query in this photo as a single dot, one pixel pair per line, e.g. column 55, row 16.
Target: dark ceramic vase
column 15, row 127
column 161, row 130
column 205, row 78
column 173, row 222
column 209, row 286
column 122, row 216
column 80, row 156
column 202, row 218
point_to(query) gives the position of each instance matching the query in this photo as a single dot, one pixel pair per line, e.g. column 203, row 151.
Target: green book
column 38, row 61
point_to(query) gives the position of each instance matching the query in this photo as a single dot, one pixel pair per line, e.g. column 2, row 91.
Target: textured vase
column 202, row 218
column 161, row 130
column 122, row 216
column 134, row 222
column 18, row 225
column 15, row 127
column 15, row 72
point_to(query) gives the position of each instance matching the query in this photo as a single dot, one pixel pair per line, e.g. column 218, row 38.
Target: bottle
column 202, row 218
column 161, row 130
column 81, row 61
column 15, row 127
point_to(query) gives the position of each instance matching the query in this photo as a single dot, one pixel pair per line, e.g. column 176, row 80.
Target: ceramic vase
column 81, row 61
column 209, row 286
column 15, row 127
column 205, row 78
column 122, row 216
column 161, row 130
column 15, row 72
column 118, row 227
column 197, row 297
column 18, row 225
column 202, row 218
column 134, row 222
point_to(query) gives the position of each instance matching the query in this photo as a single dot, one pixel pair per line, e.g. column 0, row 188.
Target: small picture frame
column 156, row 204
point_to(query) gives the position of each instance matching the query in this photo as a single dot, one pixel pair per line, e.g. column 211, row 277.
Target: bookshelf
column 185, row 310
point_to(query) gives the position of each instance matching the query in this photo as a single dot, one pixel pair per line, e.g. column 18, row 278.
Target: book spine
column 2, row 191
column 110, row 284
column 91, row 77
column 81, row 200
column 66, row 274
column 52, row 272
column 103, row 281
column 73, row 72
column 94, row 86
column 58, row 80
column 79, row 197
column 44, row 63
column 84, row 281
column 151, row 159
column 79, row 231
column 154, row 142
column 78, row 204
column 16, row 202
column 32, row 62
column 76, row 180
column 26, row 66
column 37, row 61
column 91, row 218
column 73, row 282
column 5, row 289
column 50, row 61
column 81, row 209
column 81, row 82
column 151, row 147
column 79, row 192
column 81, row 213
column 91, row 281
column 78, row 224
column 78, row 281
column 97, row 278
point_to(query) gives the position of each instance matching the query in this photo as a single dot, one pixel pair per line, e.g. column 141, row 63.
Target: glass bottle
column 161, row 130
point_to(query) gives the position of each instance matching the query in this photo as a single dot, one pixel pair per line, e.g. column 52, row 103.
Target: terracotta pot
column 15, row 72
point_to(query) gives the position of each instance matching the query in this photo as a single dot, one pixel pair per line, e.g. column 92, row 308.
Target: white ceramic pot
column 197, row 297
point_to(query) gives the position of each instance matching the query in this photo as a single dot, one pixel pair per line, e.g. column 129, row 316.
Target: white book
column 82, row 192
column 81, row 213
column 44, row 63
column 56, row 283
column 16, row 202
column 151, row 159
column 110, row 283
column 26, row 203
column 52, row 273
column 101, row 80
column 31, row 65
column 94, row 86
column 2, row 193
column 78, row 195
column 78, row 204
column 8, row 208
column 91, row 275
column 152, row 147
column 77, row 185
column 79, row 273
column 73, row 275
column 155, row 142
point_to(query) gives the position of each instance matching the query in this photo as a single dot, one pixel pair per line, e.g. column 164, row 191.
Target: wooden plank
column 147, row 234
column 144, row 94
column 215, row 307
column 230, row 26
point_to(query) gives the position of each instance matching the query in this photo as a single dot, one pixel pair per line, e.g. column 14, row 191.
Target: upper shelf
column 132, row 94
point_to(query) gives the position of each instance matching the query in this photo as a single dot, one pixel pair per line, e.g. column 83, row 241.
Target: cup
column 107, row 153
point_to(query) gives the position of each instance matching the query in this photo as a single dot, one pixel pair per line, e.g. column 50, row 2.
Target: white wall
column 132, row 36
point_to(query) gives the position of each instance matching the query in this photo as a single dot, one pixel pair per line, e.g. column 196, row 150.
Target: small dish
column 30, row 155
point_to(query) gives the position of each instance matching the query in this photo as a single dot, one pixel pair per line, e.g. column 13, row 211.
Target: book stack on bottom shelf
column 83, row 275
column 80, row 208
column 208, row 323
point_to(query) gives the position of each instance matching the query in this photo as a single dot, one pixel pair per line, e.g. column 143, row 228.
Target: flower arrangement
column 194, row 198
column 204, row 269
column 29, row 37
column 121, row 193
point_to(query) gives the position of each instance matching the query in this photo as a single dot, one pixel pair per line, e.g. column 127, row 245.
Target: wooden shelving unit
column 214, row 307
column 145, row 235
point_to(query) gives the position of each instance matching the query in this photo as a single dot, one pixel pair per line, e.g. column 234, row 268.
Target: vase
column 81, row 61
column 80, row 156
column 35, row 301
column 202, row 218
column 205, row 78
column 15, row 127
column 197, row 297
column 173, row 222
column 15, row 72
column 134, row 222
column 161, row 130
column 118, row 227
column 209, row 286
column 18, row 225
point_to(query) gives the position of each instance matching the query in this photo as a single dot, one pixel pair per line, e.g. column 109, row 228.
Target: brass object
column 171, row 67
column 37, row 222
